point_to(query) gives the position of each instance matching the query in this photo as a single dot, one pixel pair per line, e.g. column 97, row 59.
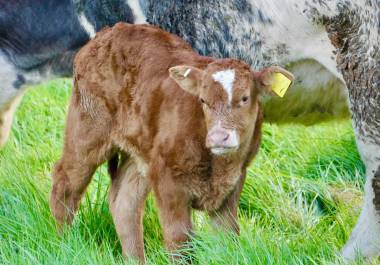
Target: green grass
column 298, row 206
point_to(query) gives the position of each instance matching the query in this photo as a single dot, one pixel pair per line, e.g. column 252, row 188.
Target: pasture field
column 299, row 203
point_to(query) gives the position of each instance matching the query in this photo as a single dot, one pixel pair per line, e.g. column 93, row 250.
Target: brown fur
column 124, row 99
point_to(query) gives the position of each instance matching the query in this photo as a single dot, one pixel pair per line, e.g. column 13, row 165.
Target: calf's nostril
column 226, row 137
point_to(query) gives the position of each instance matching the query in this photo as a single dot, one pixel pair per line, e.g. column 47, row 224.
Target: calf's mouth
column 223, row 150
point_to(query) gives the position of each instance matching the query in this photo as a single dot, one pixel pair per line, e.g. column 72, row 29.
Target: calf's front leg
column 127, row 200
column 226, row 215
column 175, row 212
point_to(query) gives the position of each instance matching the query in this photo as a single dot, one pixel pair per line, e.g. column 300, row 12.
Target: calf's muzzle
column 221, row 140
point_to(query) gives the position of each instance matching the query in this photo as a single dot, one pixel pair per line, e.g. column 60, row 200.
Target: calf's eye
column 202, row 100
column 244, row 99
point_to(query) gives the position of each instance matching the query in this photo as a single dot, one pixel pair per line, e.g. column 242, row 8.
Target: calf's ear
column 274, row 79
column 187, row 77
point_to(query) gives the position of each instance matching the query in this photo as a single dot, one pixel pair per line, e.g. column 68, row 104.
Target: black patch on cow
column 32, row 32
column 376, row 189
column 19, row 82
column 262, row 18
column 44, row 36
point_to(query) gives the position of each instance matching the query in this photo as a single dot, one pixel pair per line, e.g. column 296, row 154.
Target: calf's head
column 229, row 92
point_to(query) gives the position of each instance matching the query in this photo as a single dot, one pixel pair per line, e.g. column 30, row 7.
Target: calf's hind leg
column 84, row 150
column 70, row 179
column 127, row 200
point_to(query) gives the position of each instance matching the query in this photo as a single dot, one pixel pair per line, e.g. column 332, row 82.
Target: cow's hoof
column 351, row 252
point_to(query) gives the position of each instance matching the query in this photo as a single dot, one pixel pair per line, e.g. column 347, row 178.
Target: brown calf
column 187, row 126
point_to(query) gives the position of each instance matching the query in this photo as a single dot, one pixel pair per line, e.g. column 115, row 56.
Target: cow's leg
column 174, row 210
column 365, row 238
column 11, row 90
column 226, row 215
column 6, row 117
column 86, row 147
column 127, row 200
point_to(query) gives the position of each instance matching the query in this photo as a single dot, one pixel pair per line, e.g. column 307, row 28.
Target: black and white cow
column 332, row 46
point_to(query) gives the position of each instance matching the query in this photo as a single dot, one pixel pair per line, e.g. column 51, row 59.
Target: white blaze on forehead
column 226, row 78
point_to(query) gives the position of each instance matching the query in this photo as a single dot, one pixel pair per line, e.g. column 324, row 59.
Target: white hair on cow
column 87, row 26
column 140, row 18
column 226, row 78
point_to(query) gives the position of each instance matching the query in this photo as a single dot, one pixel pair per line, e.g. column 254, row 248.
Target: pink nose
column 218, row 138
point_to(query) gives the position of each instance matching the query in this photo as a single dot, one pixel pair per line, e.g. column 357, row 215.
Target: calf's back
column 125, row 69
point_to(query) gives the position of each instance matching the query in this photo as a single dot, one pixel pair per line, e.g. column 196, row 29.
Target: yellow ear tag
column 280, row 84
